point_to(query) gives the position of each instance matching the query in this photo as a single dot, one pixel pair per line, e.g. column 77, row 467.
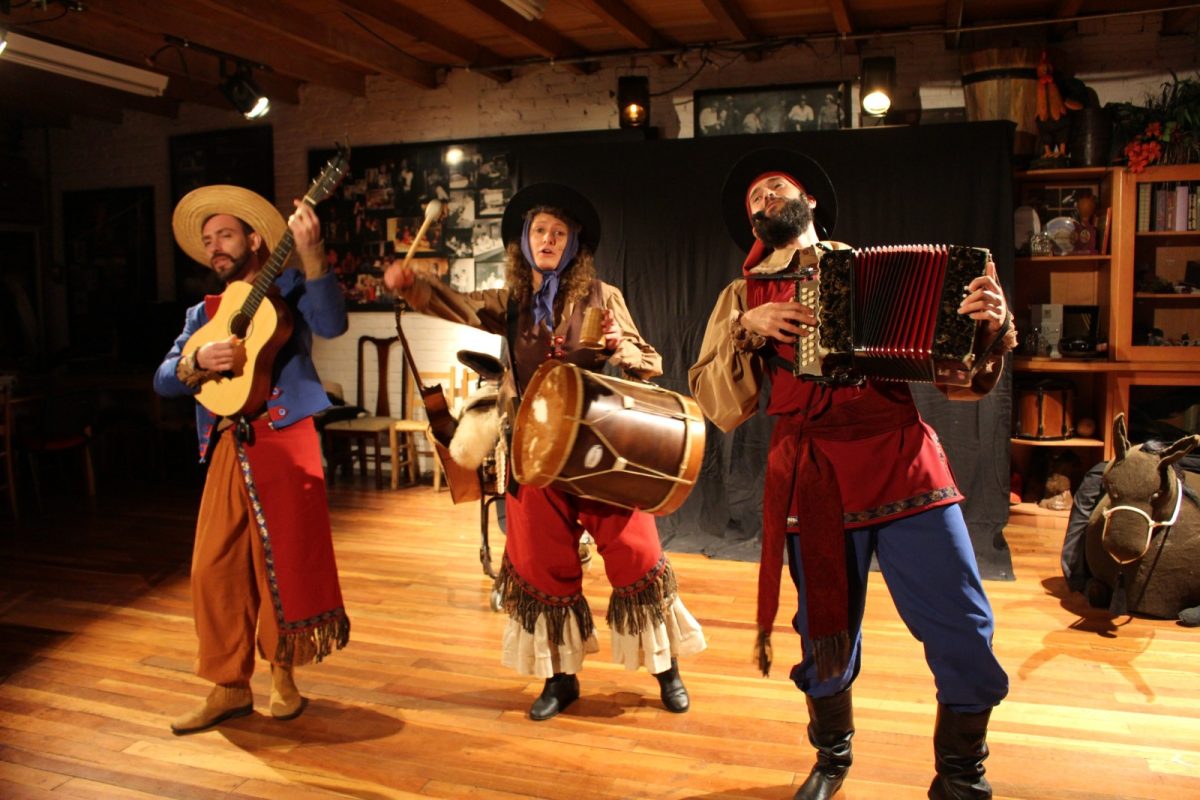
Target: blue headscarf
column 543, row 298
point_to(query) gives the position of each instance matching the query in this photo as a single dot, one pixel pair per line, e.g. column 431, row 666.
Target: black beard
column 235, row 269
column 781, row 228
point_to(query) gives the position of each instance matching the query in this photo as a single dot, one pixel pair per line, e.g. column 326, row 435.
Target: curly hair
column 576, row 279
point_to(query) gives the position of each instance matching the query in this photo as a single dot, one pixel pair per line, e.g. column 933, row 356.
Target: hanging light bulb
column 878, row 84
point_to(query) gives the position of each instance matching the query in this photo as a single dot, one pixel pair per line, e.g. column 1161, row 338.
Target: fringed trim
column 653, row 592
column 832, row 654
column 309, row 642
column 764, row 653
column 525, row 603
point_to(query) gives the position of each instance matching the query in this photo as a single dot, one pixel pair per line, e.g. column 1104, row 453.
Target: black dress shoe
column 674, row 694
column 558, row 693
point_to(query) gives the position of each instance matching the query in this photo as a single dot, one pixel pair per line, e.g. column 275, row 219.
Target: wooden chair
column 373, row 429
column 412, row 437
column 50, row 425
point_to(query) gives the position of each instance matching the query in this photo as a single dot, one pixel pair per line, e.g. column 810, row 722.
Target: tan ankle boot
column 225, row 701
column 286, row 702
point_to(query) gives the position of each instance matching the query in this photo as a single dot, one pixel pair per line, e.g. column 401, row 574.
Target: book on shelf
column 1180, row 220
column 1144, row 191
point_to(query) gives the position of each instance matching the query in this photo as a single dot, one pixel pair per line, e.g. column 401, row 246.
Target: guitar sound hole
column 239, row 325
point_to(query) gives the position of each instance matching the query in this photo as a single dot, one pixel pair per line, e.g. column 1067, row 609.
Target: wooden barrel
column 1045, row 410
column 1001, row 83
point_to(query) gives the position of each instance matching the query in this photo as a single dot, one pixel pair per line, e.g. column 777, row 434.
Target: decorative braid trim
column 653, row 593
column 908, row 504
column 524, row 602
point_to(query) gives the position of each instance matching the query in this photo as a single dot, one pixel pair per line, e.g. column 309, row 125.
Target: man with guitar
column 263, row 568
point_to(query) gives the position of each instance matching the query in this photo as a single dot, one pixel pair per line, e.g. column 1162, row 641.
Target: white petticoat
column 533, row 654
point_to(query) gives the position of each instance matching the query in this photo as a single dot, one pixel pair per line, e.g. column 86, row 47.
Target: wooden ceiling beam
column 431, row 33
column 345, row 46
column 954, row 20
column 218, row 30
column 635, row 30
column 541, row 38
column 843, row 24
column 733, row 21
column 1066, row 9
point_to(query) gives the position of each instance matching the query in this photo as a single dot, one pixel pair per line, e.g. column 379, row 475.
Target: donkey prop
column 1143, row 538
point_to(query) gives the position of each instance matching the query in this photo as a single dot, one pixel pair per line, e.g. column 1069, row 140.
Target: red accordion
column 889, row 313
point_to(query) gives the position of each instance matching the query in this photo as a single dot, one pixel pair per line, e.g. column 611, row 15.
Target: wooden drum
column 1044, row 410
column 634, row 445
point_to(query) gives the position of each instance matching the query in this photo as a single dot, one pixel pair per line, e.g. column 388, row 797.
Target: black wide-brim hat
column 554, row 195
column 808, row 173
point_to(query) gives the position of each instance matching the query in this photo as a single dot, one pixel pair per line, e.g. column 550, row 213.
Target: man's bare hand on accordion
column 783, row 322
column 985, row 299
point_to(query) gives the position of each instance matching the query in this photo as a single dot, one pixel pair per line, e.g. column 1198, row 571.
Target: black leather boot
column 558, row 693
column 830, row 728
column 959, row 748
column 670, row 687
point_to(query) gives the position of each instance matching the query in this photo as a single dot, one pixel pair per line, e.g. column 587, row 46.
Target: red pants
column 542, row 544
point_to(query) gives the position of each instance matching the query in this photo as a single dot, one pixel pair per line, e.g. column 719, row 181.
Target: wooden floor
column 96, row 649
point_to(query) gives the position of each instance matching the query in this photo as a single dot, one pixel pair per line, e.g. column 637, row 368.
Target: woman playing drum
column 550, row 232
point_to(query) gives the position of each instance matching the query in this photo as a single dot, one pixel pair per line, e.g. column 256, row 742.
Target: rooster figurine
column 1053, row 122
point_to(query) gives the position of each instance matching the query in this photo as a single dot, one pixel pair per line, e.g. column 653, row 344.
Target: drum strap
column 510, row 319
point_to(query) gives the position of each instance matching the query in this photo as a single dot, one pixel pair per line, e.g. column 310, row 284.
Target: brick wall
column 543, row 99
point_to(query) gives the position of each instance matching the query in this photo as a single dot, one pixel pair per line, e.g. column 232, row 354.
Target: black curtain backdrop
column 665, row 245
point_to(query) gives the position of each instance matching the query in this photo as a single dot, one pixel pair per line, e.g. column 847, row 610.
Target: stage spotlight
column 878, row 84
column 243, row 93
column 633, row 101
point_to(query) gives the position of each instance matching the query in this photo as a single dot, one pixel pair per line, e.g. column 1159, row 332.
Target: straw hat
column 776, row 159
column 200, row 204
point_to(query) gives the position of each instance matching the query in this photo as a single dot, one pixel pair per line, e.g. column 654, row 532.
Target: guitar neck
column 268, row 274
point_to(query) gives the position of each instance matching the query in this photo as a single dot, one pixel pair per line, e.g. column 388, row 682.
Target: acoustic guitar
column 261, row 327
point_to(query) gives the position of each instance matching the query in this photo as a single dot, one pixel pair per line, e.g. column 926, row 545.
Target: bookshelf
column 1144, row 313
column 1152, row 254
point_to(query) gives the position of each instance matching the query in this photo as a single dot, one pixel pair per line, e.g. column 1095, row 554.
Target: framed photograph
column 375, row 216
column 772, row 109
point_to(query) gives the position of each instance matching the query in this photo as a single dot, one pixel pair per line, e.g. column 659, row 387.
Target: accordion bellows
column 890, row 313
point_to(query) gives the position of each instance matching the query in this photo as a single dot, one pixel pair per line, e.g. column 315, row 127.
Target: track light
column 238, row 86
column 633, row 100
column 241, row 90
column 878, row 84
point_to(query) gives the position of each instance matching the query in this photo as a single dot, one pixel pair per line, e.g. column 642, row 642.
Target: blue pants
column 930, row 570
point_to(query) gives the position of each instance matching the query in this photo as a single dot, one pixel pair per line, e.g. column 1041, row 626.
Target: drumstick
column 432, row 212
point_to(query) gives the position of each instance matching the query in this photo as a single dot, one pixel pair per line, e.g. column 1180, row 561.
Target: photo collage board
column 375, row 213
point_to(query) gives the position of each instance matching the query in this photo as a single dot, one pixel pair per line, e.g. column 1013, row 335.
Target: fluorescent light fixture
column 529, row 9
column 81, row 66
